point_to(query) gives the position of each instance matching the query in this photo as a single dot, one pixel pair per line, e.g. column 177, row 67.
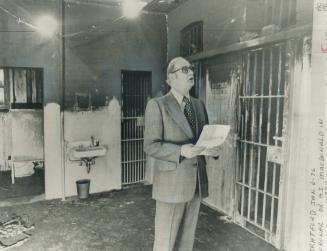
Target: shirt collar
column 178, row 96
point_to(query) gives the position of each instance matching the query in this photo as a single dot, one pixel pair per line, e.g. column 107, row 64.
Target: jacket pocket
column 163, row 165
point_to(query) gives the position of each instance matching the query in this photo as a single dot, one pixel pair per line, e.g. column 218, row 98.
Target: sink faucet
column 95, row 142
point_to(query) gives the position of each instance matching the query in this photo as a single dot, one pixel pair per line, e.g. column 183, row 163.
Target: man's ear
column 171, row 76
column 168, row 80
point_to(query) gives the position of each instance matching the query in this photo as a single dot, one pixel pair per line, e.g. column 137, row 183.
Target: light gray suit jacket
column 166, row 130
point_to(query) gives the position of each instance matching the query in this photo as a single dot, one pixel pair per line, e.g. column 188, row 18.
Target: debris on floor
column 129, row 202
column 118, row 221
column 226, row 219
column 14, row 232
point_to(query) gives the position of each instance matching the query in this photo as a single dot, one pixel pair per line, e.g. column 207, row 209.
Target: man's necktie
column 189, row 114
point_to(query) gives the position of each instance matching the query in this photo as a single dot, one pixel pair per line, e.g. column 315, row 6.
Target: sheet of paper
column 212, row 135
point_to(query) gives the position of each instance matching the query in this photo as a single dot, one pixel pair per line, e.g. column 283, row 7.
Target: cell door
column 262, row 103
column 136, row 90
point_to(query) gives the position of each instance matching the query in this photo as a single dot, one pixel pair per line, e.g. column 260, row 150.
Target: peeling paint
column 104, row 125
column 21, row 135
column 221, row 106
column 27, row 134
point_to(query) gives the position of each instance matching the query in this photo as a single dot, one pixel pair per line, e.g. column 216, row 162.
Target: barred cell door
column 136, row 90
column 262, row 105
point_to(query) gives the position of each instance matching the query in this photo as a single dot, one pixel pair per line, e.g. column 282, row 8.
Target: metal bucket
column 83, row 188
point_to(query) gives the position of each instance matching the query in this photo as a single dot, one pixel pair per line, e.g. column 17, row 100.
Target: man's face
column 182, row 78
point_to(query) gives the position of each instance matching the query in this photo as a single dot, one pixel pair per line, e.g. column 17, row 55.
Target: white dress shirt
column 179, row 98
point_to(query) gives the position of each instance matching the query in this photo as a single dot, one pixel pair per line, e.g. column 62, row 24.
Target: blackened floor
column 119, row 221
column 24, row 186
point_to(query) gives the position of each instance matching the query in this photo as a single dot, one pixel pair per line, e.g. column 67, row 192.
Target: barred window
column 21, row 88
column 280, row 12
column 192, row 39
column 269, row 14
column 2, row 89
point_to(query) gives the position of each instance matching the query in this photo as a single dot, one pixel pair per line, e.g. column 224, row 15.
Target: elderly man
column 173, row 124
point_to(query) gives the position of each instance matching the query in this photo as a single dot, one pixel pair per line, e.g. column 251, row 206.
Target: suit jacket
column 166, row 130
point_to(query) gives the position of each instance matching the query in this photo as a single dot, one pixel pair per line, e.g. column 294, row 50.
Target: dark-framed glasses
column 185, row 69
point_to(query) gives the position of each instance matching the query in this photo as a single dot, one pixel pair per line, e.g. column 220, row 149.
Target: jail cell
column 136, row 90
column 261, row 109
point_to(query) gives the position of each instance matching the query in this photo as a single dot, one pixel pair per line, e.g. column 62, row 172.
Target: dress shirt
column 179, row 98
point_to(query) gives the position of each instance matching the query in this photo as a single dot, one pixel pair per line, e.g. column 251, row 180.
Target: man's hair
column 171, row 65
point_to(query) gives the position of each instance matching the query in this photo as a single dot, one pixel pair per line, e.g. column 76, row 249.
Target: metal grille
column 261, row 108
column 280, row 12
column 192, row 39
column 136, row 89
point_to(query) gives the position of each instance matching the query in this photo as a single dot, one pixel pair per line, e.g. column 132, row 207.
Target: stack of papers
column 212, row 136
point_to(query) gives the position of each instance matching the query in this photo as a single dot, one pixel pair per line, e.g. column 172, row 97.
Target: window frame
column 9, row 88
column 283, row 15
column 187, row 34
column 4, row 106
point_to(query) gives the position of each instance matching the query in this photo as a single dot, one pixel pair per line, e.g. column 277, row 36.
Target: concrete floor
column 119, row 221
column 24, row 186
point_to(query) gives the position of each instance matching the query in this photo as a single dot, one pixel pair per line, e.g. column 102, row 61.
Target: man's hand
column 214, row 151
column 190, row 151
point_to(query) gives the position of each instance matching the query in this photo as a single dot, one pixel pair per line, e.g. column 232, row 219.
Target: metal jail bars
column 136, row 89
column 261, row 109
column 279, row 12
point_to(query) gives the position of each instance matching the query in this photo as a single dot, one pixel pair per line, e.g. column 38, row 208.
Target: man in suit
column 173, row 124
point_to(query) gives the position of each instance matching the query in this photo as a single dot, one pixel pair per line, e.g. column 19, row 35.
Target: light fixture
column 132, row 8
column 46, row 25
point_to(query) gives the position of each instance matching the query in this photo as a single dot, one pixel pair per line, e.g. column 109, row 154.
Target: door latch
column 275, row 154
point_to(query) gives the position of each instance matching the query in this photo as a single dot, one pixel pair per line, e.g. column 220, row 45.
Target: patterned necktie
column 189, row 114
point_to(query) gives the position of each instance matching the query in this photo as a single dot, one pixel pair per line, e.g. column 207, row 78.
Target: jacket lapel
column 175, row 112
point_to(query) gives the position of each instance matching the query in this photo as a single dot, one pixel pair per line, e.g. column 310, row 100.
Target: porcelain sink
column 88, row 152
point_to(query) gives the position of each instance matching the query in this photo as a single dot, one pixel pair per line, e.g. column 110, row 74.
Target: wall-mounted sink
column 88, row 152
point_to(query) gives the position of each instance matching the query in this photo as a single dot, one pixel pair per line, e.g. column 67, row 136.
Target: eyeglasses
column 185, row 69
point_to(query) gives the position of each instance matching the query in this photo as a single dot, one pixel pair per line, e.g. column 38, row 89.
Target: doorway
column 262, row 109
column 21, row 132
column 135, row 92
